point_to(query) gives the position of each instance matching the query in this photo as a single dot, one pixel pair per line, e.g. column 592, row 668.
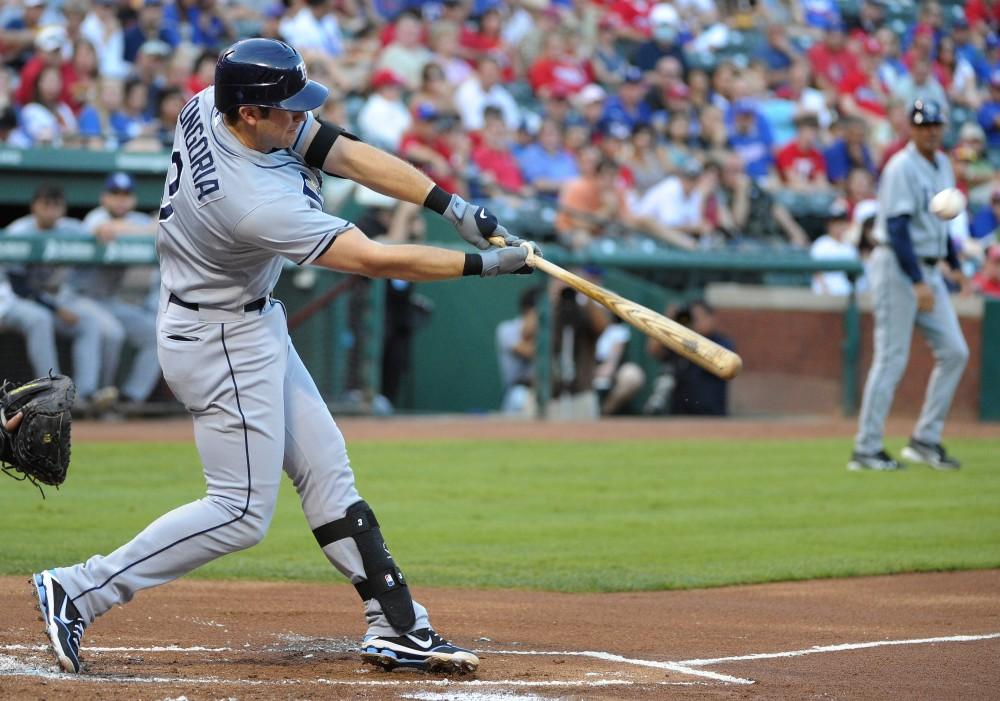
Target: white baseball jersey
column 230, row 214
column 908, row 183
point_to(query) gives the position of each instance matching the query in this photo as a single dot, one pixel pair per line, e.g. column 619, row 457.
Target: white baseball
column 948, row 203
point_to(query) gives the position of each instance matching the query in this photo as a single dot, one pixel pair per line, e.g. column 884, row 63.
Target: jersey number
column 167, row 209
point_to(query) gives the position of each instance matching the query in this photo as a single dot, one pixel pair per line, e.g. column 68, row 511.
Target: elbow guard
column 322, row 143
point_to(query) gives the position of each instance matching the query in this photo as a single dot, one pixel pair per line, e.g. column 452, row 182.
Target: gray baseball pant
column 895, row 317
column 37, row 324
column 256, row 412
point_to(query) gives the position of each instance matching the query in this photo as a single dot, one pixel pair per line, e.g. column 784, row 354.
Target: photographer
column 685, row 388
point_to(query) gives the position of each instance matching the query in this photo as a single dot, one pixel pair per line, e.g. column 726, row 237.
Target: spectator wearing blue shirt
column 749, row 137
column 777, row 55
column 545, row 164
column 628, row 106
column 666, row 27
column 818, row 14
column 989, row 113
column 848, row 152
column 966, row 49
column 150, row 24
column 208, row 29
column 987, row 220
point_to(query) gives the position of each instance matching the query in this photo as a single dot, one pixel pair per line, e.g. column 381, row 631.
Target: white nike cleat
column 421, row 649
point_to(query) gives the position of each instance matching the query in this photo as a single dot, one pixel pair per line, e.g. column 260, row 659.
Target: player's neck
column 243, row 136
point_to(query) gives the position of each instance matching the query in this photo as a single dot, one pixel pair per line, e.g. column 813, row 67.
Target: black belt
column 253, row 306
column 930, row 261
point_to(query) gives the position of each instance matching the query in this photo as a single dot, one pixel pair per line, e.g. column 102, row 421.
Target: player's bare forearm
column 378, row 170
column 353, row 252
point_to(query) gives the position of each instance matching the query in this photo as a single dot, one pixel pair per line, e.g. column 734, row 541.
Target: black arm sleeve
column 952, row 256
column 902, row 246
column 322, row 143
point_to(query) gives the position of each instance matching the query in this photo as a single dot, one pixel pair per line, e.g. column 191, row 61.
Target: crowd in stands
column 692, row 124
column 685, row 124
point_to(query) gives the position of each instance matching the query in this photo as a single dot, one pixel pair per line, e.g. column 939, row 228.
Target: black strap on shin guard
column 384, row 581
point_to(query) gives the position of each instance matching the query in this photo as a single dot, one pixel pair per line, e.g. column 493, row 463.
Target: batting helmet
column 926, row 112
column 265, row 73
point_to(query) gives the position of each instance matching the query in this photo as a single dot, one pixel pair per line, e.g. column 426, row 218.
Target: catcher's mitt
column 39, row 447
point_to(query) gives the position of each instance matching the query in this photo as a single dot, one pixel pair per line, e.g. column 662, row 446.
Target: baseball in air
column 948, row 203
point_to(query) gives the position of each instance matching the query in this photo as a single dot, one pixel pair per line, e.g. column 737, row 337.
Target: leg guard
column 384, row 581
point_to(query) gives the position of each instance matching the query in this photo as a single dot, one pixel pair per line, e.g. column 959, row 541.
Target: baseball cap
column 971, row 131
column 633, row 75
column 678, row 91
column 664, row 14
column 617, row 130
column 872, row 46
column 691, row 168
column 838, row 210
column 864, row 210
column 590, row 94
column 50, row 38
column 155, row 47
column 384, row 78
column 35, row 3
column 119, row 182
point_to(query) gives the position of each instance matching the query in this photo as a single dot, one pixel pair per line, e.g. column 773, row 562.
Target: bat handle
column 500, row 243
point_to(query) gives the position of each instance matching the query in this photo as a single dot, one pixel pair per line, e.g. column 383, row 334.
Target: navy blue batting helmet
column 265, row 73
column 926, row 112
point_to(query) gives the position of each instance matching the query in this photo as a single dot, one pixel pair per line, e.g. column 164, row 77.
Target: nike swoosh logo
column 422, row 643
column 482, row 213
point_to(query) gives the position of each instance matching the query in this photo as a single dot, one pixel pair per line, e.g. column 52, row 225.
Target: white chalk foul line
column 839, row 648
column 10, row 666
column 160, row 648
column 679, row 667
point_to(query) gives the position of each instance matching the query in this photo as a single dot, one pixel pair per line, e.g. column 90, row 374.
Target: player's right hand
column 505, row 261
column 925, row 297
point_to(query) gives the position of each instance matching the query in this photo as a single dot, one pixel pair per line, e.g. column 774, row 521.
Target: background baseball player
column 242, row 194
column 909, row 290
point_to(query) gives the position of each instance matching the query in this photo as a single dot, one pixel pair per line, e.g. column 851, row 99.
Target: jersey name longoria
column 199, row 154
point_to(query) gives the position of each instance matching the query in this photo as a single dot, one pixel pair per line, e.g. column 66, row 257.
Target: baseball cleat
column 880, row 461
column 63, row 623
column 422, row 650
column 932, row 454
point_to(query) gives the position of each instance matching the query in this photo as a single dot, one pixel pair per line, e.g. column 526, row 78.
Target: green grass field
column 560, row 516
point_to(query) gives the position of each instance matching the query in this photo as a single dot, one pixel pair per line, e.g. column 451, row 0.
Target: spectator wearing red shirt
column 983, row 12
column 800, row 164
column 633, row 17
column 499, row 174
column 861, row 91
column 831, row 59
column 987, row 280
column 425, row 146
column 49, row 44
column 558, row 69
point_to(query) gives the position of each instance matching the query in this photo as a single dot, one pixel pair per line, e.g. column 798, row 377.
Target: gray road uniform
column 229, row 218
column 96, row 336
column 138, row 325
column 908, row 183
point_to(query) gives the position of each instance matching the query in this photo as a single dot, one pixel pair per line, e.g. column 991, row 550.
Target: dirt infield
column 489, row 427
column 910, row 636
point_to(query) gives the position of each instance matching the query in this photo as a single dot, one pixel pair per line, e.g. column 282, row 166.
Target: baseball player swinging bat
column 719, row 361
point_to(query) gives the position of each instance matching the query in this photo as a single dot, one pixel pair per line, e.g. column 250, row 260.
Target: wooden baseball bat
column 719, row 361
